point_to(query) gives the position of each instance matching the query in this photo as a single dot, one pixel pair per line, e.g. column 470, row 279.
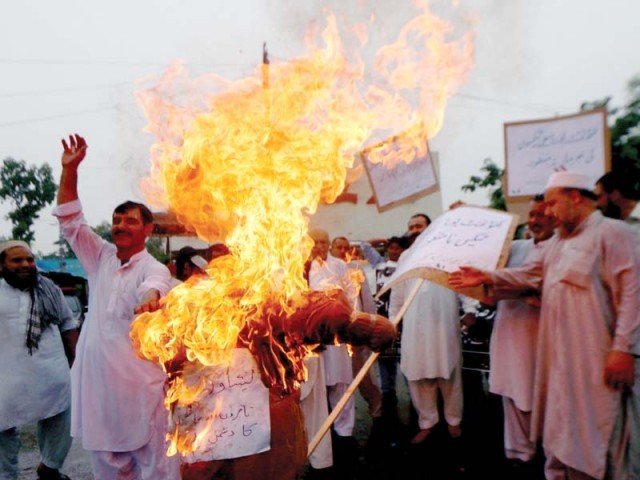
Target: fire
column 249, row 162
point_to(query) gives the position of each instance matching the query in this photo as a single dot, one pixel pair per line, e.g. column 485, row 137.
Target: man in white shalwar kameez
column 37, row 346
column 326, row 273
column 369, row 387
column 431, row 354
column 513, row 344
column 431, row 357
column 589, row 317
column 117, row 398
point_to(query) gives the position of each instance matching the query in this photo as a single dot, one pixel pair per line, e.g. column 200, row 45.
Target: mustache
column 120, row 232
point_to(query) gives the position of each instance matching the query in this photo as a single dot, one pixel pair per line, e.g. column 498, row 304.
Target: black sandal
column 46, row 473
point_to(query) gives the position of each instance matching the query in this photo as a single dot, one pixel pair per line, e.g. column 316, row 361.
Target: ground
column 383, row 450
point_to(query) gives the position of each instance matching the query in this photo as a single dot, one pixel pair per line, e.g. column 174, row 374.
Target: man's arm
column 526, row 277
column 72, row 155
column 156, row 284
column 69, row 341
column 85, row 243
column 622, row 273
column 469, row 277
column 371, row 254
column 150, row 302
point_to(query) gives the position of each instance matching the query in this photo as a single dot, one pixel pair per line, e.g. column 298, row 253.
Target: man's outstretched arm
column 73, row 153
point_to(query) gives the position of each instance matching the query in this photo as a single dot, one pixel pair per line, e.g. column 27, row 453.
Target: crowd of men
column 564, row 346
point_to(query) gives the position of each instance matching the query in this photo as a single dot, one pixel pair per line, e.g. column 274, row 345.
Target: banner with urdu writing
column 535, row 149
column 231, row 417
column 464, row 236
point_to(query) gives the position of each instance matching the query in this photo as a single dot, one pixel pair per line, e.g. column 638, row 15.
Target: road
column 384, row 451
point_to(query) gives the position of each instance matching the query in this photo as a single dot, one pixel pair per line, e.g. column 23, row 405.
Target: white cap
column 199, row 262
column 566, row 179
column 13, row 244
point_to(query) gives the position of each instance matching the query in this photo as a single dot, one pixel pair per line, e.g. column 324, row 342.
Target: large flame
column 250, row 162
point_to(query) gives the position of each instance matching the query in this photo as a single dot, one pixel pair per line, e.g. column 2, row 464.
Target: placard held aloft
column 467, row 235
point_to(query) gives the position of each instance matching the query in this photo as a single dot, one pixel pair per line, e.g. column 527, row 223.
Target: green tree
column 492, row 179
column 624, row 125
column 64, row 249
column 155, row 246
column 29, row 189
column 104, row 230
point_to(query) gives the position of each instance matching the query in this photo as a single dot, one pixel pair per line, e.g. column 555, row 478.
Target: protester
column 117, row 406
column 431, row 356
column 588, row 273
column 369, row 389
column 37, row 347
column 418, row 223
column 388, row 360
column 189, row 263
column 513, row 347
column 327, row 273
column 618, row 194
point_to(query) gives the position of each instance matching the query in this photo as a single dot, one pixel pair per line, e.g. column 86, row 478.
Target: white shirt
column 37, row 386
column 430, row 332
column 334, row 273
column 114, row 393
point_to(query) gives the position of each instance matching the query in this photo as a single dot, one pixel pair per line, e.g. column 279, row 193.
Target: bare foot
column 454, row 430
column 421, row 436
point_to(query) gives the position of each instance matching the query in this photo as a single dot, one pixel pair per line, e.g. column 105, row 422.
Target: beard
column 611, row 210
column 412, row 238
column 21, row 281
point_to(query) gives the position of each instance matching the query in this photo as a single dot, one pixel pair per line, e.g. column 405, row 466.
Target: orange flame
column 249, row 163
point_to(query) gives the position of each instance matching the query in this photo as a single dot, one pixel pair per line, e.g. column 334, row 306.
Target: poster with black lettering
column 231, row 417
column 464, row 236
column 399, row 170
column 537, row 148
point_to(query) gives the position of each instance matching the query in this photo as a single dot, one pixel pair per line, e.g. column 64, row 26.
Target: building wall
column 362, row 221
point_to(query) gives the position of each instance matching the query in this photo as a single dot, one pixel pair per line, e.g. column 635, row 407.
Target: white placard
column 403, row 182
column 232, row 418
column 534, row 150
column 466, row 235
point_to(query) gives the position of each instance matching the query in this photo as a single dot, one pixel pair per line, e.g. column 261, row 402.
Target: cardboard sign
column 465, row 236
column 232, row 418
column 406, row 175
column 536, row 149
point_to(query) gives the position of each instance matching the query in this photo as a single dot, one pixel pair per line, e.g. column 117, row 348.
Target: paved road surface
column 477, row 456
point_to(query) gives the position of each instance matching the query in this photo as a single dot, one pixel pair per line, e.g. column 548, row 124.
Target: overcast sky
column 72, row 66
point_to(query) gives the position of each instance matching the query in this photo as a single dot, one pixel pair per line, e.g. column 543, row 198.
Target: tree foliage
column 29, row 189
column 624, row 124
column 156, row 247
column 492, row 179
column 64, row 249
column 104, row 230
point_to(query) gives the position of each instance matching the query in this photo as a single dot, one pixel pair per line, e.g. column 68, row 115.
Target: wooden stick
column 356, row 381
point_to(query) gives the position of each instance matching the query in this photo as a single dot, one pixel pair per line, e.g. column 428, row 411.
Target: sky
column 73, row 66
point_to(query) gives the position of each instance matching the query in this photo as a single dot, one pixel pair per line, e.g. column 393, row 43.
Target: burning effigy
column 246, row 163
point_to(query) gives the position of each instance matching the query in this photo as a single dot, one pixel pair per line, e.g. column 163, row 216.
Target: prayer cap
column 199, row 262
column 566, row 179
column 12, row 244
